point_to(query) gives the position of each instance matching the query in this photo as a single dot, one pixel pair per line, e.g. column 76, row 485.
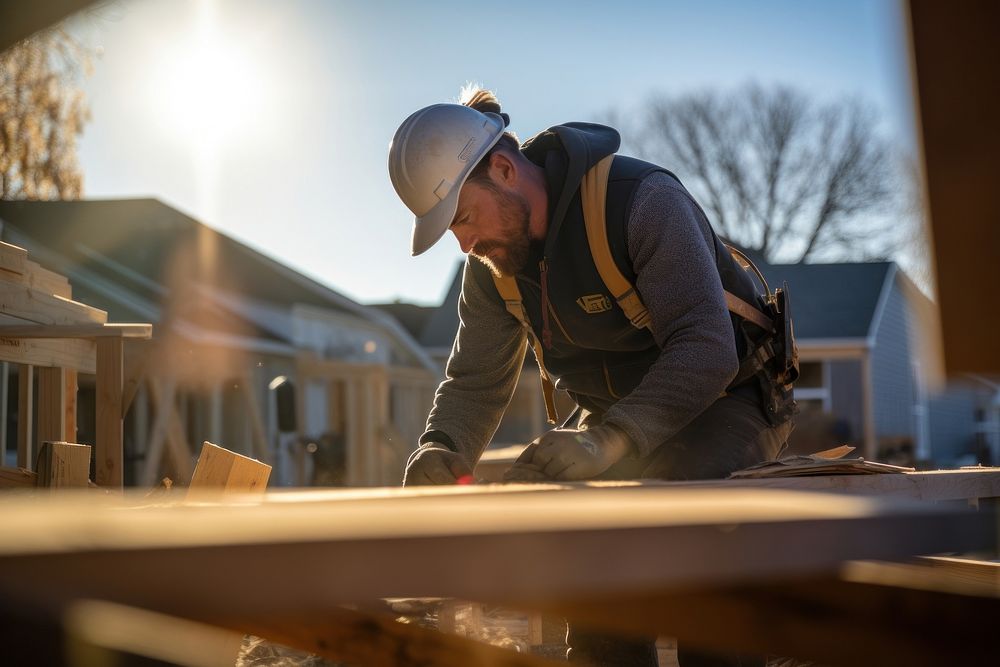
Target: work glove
column 433, row 463
column 566, row 454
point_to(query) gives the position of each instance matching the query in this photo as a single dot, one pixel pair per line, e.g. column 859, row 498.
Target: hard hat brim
column 429, row 228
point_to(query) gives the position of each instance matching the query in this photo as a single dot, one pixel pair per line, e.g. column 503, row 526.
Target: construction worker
column 683, row 385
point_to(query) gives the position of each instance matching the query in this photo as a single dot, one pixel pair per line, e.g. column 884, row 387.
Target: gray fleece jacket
column 672, row 251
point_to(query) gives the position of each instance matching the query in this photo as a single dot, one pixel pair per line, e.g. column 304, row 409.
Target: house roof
column 829, row 301
column 136, row 258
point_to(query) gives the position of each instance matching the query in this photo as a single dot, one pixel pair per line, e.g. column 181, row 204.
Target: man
column 670, row 400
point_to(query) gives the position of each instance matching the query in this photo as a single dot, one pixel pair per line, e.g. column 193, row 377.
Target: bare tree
column 778, row 172
column 42, row 112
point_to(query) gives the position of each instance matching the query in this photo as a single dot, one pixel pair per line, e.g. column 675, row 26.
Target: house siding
column 893, row 387
column 846, row 396
column 952, row 425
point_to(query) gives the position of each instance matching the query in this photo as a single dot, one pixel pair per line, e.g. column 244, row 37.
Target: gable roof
column 139, row 258
column 831, row 301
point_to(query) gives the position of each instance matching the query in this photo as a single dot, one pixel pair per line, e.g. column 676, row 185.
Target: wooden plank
column 102, row 632
column 109, row 437
column 13, row 258
column 25, row 416
column 934, row 485
column 48, row 281
column 39, row 278
column 220, row 469
column 69, row 405
column 140, row 331
column 536, row 546
column 79, row 355
column 829, row 620
column 36, row 306
column 51, row 413
column 957, row 89
column 17, row 478
column 63, row 465
column 982, row 572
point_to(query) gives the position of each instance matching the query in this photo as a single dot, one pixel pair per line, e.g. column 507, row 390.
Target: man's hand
column 569, row 454
column 434, row 463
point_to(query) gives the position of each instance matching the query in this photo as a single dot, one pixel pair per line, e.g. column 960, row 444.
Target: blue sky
column 271, row 121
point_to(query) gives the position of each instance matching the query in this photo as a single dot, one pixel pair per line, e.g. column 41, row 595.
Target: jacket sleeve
column 482, row 371
column 670, row 244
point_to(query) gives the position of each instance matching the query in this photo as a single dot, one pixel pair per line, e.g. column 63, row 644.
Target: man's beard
column 510, row 252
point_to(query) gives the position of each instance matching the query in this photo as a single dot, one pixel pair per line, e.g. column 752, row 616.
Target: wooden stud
column 51, row 416
column 63, row 465
column 13, row 258
column 223, row 470
column 109, row 435
column 25, row 416
column 69, row 403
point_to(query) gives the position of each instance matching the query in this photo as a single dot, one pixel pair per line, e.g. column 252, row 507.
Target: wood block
column 63, row 465
column 220, row 469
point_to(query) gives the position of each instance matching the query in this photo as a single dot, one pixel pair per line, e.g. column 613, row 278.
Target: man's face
column 492, row 224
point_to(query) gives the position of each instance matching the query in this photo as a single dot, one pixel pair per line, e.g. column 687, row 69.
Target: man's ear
column 502, row 168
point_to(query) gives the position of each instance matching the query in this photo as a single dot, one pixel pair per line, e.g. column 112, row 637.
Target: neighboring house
column 861, row 379
column 228, row 321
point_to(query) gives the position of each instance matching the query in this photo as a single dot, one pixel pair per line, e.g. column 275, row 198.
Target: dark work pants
column 731, row 434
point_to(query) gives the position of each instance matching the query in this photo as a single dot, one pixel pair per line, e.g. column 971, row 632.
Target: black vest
column 597, row 355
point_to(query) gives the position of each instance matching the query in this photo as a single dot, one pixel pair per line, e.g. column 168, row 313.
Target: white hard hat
column 431, row 155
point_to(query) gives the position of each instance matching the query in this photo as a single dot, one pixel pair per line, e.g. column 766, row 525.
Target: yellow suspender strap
column 511, row 295
column 593, row 194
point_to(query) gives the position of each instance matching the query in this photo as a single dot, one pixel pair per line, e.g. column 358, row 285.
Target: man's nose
column 466, row 241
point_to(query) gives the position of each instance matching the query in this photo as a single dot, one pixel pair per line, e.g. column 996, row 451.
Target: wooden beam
column 25, row 416
column 828, row 620
column 108, row 330
column 223, row 470
column 537, row 547
column 957, row 88
column 109, row 437
column 63, row 465
column 982, row 572
column 13, row 258
column 39, row 278
column 51, row 415
column 71, row 386
column 75, row 354
column 42, row 308
column 100, row 632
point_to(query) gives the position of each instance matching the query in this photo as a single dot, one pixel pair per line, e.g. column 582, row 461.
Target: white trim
column 883, row 298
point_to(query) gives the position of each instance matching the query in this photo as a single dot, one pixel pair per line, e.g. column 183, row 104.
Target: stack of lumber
column 33, row 295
